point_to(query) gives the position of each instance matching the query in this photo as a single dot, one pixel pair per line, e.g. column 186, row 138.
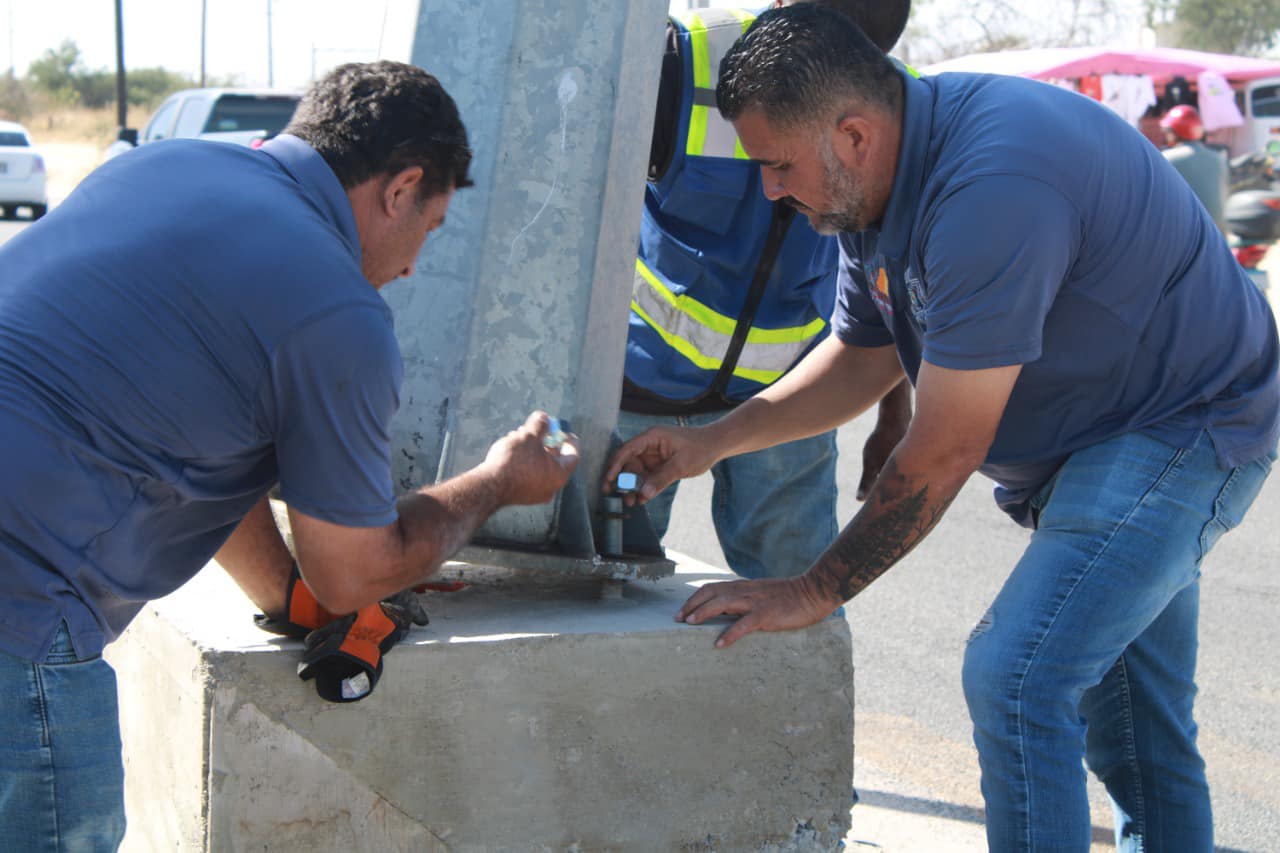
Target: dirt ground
column 68, row 163
column 73, row 141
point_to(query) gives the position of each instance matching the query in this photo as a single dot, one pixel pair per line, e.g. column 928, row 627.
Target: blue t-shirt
column 1029, row 225
column 188, row 328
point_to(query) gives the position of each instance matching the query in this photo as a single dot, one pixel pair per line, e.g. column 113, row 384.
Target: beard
column 847, row 194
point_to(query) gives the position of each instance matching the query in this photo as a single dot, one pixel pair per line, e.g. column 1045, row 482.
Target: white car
column 23, row 180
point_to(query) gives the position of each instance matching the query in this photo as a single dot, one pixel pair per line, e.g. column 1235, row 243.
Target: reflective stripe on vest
column 702, row 334
column 711, row 33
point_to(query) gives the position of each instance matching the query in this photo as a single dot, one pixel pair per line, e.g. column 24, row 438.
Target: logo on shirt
column 880, row 293
column 915, row 295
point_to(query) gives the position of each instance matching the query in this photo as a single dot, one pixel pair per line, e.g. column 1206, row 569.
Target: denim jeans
column 62, row 783
column 774, row 510
column 1089, row 650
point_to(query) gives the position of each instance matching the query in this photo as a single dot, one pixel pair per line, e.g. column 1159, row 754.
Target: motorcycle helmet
column 1184, row 122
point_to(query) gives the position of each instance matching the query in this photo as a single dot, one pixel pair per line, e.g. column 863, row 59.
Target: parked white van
column 1259, row 102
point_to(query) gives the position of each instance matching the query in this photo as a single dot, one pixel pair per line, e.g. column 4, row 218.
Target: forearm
column 950, row 436
column 833, row 384
column 347, row 568
column 895, row 408
column 952, row 433
column 436, row 521
column 911, row 495
column 256, row 558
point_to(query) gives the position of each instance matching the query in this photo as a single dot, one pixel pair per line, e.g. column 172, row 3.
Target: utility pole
column 122, row 90
column 382, row 32
column 204, row 32
column 11, row 74
column 271, row 72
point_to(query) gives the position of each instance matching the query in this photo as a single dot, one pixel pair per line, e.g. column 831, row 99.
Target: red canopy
column 1072, row 62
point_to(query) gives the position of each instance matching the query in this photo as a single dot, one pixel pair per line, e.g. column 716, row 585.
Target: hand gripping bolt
column 613, row 507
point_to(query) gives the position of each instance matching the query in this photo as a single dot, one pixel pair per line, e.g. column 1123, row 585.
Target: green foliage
column 95, row 89
column 15, row 105
column 147, row 86
column 60, row 74
column 1229, row 26
column 56, row 71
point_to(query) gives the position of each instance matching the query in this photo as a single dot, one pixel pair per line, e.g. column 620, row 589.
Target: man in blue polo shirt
column 1077, row 330
column 197, row 322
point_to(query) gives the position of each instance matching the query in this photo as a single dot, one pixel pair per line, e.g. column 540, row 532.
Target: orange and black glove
column 302, row 613
column 345, row 656
column 343, row 653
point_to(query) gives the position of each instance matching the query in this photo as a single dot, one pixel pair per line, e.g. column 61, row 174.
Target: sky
column 306, row 35
column 167, row 33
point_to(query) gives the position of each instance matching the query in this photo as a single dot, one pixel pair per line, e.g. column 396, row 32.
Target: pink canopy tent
column 1160, row 64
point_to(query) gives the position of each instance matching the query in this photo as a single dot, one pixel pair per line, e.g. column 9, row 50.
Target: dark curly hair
column 379, row 118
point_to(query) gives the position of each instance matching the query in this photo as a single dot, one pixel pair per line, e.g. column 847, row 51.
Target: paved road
column 9, row 229
column 67, row 162
column 916, row 769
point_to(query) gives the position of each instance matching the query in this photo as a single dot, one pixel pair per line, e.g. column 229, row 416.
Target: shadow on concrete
column 952, row 811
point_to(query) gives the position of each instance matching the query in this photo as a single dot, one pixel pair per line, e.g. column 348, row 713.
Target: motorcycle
column 1253, row 224
column 1253, row 212
column 1251, row 172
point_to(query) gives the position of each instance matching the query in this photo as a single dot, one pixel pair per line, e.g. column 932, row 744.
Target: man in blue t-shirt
column 195, row 324
column 1076, row 329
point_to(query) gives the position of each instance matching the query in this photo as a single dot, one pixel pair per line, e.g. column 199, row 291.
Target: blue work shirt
column 1028, row 225
column 189, row 327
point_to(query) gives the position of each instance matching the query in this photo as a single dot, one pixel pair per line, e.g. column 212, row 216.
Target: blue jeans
column 62, row 777
column 1089, row 650
column 774, row 510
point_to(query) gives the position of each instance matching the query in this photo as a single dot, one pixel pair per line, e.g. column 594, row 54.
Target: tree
column 147, row 86
column 56, row 71
column 14, row 103
column 95, row 89
column 941, row 29
column 1229, row 26
column 61, row 74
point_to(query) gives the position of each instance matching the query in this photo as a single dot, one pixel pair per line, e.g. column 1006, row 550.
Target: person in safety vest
column 1203, row 168
column 730, row 291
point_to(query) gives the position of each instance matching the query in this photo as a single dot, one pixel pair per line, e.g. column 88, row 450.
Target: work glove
column 302, row 613
column 345, row 656
column 343, row 653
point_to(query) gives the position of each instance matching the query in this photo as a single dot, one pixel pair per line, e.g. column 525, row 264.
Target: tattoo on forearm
column 900, row 513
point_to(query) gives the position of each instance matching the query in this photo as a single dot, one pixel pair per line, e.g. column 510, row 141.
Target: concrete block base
column 521, row 718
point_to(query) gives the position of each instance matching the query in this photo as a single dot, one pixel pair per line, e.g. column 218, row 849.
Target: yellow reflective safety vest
column 730, row 290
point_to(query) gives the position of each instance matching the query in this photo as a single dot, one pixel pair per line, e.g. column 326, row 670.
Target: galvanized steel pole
column 526, row 296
